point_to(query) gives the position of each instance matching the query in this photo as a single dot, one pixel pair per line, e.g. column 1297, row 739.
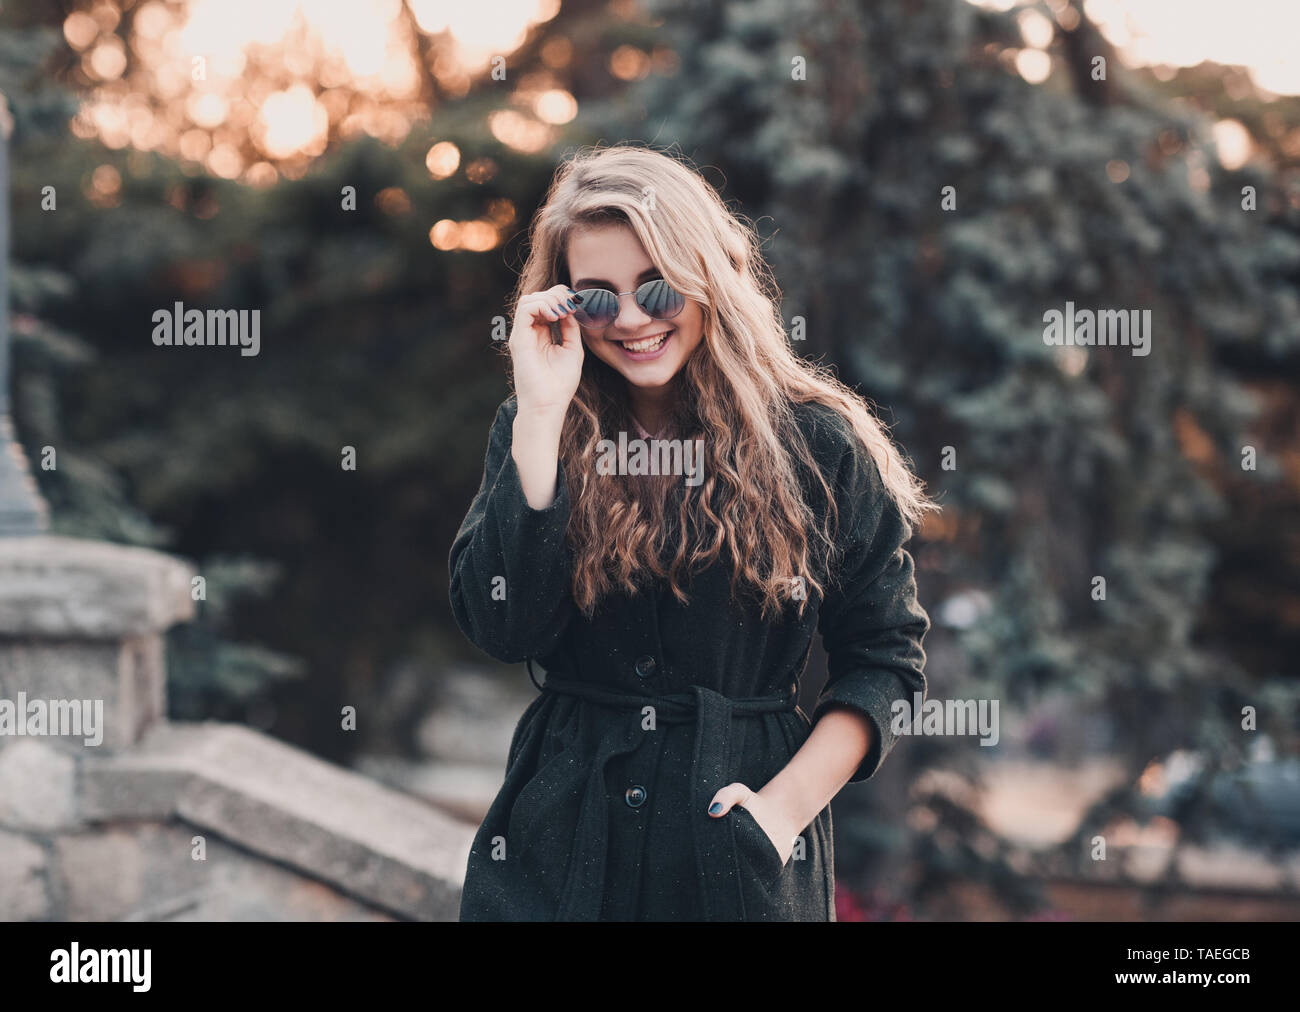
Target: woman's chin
column 652, row 379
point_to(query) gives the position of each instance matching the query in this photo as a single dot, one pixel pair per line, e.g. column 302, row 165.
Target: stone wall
column 171, row 820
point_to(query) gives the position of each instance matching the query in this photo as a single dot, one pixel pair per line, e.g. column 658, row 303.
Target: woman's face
column 612, row 257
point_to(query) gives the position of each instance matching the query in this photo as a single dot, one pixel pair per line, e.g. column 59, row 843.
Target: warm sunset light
column 483, row 30
column 247, row 86
column 292, row 121
column 1257, row 34
column 255, row 89
column 442, row 160
column 518, row 131
column 1233, row 142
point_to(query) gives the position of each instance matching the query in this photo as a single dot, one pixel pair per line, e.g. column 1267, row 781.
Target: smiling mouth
column 647, row 344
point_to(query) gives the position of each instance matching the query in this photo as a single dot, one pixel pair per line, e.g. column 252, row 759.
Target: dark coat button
column 645, row 667
column 635, row 796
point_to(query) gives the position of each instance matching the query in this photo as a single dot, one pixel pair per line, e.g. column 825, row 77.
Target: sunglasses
column 598, row 307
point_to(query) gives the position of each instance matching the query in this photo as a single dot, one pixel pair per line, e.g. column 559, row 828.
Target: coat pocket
column 547, row 789
column 544, row 810
column 756, row 847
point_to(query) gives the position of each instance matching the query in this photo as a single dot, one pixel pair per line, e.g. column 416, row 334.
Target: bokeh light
column 1257, row 34
column 255, row 89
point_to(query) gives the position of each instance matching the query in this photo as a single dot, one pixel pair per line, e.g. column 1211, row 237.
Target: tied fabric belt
column 717, row 748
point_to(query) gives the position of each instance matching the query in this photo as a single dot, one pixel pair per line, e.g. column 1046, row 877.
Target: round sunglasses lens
column 659, row 299
column 598, row 308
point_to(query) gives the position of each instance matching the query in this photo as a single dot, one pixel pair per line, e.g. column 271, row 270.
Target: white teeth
column 650, row 344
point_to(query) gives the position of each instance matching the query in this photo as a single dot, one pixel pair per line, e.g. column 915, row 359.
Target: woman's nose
column 630, row 314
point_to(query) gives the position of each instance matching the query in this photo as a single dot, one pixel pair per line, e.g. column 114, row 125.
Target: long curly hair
column 736, row 392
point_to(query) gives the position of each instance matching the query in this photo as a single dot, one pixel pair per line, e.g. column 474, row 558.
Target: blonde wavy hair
column 737, row 391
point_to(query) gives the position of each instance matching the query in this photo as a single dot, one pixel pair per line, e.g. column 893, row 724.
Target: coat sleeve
column 510, row 565
column 870, row 621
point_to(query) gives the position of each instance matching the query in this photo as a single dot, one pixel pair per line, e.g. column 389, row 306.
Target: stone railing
column 162, row 819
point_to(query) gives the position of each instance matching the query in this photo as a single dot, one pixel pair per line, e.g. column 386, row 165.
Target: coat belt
column 716, row 745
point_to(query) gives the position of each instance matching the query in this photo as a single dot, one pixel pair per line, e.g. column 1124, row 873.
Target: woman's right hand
column 546, row 374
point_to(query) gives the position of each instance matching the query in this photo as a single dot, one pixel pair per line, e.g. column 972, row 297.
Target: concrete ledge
column 368, row 841
column 57, row 588
column 147, row 871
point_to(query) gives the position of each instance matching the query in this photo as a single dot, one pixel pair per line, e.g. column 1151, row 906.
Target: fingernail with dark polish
column 715, row 808
column 576, row 297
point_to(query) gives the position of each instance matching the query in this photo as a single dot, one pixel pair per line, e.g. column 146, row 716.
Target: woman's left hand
column 779, row 825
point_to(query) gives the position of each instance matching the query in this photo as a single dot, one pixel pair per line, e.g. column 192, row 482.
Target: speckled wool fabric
column 602, row 815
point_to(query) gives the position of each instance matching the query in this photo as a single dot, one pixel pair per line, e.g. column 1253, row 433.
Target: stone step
column 374, row 843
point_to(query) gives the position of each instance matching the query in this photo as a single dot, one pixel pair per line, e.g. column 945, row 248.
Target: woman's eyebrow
column 596, row 282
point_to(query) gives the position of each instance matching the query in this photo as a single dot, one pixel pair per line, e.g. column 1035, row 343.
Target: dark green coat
column 602, row 815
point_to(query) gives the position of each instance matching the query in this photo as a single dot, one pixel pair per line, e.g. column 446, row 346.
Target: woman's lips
column 649, row 349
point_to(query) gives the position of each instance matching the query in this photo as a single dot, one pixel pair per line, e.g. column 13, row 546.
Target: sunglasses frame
column 619, row 295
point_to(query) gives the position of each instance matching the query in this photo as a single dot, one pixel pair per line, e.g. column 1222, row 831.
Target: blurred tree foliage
column 1070, row 463
column 89, row 491
column 326, row 587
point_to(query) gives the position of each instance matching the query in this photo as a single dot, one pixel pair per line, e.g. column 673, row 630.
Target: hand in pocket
column 776, row 823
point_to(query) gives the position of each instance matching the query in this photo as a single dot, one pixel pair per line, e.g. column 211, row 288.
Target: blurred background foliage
column 327, row 587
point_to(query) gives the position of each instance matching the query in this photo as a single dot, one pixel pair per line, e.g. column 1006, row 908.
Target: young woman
column 665, row 772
